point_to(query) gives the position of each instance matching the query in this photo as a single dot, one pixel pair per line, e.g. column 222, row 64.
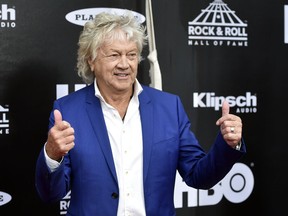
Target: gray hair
column 104, row 28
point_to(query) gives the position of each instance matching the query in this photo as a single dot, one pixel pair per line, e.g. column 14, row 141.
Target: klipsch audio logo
column 244, row 103
column 80, row 17
column 217, row 25
column 4, row 121
column 286, row 24
column 7, row 16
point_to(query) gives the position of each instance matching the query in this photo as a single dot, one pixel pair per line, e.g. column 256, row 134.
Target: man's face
column 116, row 66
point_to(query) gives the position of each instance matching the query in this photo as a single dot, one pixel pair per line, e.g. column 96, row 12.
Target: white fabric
column 127, row 148
column 155, row 73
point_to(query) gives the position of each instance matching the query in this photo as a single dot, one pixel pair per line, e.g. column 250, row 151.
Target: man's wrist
column 238, row 146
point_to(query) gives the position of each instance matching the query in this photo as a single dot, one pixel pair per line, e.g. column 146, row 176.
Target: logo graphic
column 4, row 122
column 286, row 24
column 245, row 103
column 7, row 16
column 64, row 203
column 80, row 17
column 63, row 89
column 236, row 187
column 4, row 198
column 217, row 25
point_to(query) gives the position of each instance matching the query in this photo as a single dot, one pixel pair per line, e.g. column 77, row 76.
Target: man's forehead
column 119, row 45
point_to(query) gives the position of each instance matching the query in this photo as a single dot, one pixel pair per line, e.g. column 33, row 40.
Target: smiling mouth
column 121, row 74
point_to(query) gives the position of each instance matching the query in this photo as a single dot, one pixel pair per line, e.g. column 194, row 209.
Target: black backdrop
column 38, row 52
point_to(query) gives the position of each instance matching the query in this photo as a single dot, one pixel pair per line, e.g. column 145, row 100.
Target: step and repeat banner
column 207, row 50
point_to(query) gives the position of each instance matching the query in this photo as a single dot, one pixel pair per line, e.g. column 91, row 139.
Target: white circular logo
column 4, row 198
column 81, row 16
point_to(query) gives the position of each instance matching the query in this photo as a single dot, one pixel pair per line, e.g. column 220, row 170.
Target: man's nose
column 123, row 62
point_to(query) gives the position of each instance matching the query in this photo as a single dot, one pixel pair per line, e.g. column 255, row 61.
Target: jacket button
column 114, row 195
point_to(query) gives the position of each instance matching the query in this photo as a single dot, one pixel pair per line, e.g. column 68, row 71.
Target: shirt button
column 114, row 195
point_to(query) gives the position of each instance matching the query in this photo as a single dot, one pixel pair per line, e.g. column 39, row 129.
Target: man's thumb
column 57, row 116
column 225, row 108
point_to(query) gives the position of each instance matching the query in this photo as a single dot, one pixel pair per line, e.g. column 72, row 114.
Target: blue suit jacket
column 168, row 145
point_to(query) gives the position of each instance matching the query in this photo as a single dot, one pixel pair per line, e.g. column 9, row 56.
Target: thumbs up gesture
column 230, row 126
column 60, row 138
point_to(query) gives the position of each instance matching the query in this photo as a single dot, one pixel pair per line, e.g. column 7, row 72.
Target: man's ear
column 90, row 62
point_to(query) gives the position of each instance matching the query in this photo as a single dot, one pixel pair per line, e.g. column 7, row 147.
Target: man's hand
column 230, row 126
column 60, row 138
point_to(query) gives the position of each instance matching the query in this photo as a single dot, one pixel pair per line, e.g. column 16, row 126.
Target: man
column 117, row 144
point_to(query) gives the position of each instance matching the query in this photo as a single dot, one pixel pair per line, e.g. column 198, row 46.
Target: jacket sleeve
column 199, row 169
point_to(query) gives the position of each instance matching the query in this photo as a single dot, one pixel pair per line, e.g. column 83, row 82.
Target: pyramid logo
column 217, row 25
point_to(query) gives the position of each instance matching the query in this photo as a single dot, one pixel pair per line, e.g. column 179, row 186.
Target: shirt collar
column 137, row 89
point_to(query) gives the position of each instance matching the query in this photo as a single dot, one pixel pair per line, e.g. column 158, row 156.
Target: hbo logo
column 236, row 187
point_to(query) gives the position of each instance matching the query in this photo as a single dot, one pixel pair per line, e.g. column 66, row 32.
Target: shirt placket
column 126, row 158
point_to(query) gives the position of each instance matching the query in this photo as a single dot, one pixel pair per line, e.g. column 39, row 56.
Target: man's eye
column 132, row 55
column 113, row 56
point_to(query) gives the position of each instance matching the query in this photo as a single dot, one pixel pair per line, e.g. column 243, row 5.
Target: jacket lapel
column 98, row 123
column 146, row 113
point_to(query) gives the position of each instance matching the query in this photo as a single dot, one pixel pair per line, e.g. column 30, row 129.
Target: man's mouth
column 121, row 74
